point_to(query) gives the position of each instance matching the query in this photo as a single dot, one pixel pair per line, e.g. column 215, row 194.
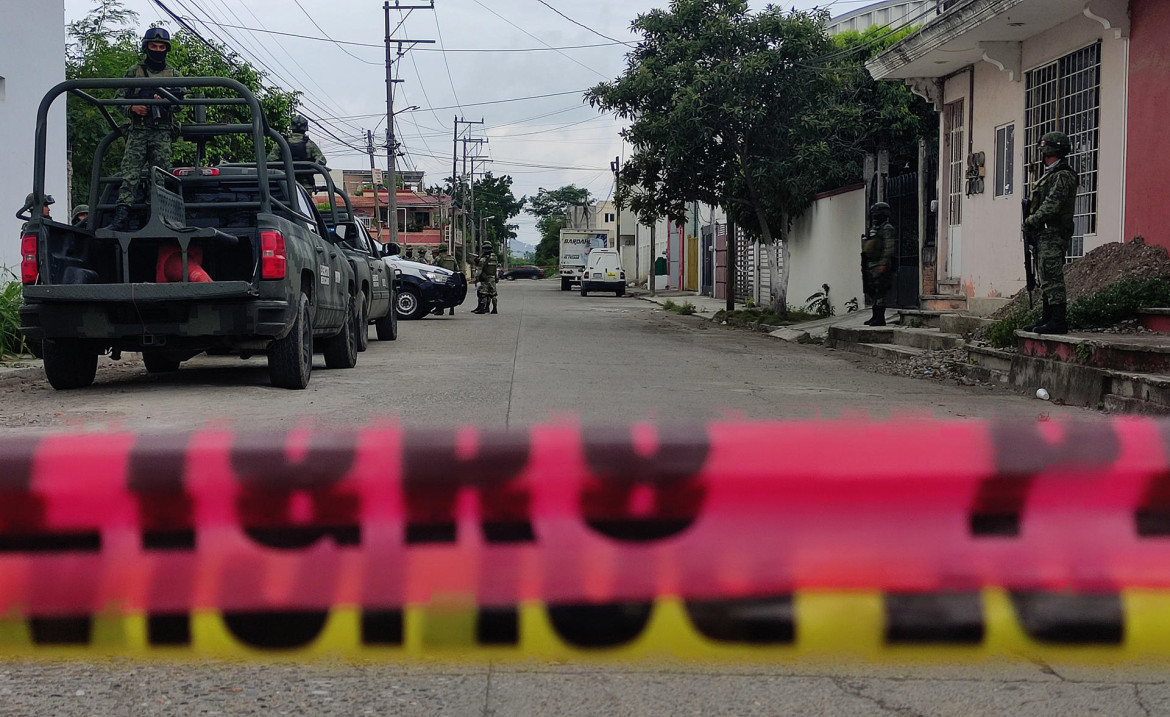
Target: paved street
column 549, row 355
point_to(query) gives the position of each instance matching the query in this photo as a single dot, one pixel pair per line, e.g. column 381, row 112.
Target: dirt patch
column 1099, row 268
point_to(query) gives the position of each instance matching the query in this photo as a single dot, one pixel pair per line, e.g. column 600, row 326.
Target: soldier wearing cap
column 1049, row 225
column 152, row 127
column 877, row 259
column 303, row 149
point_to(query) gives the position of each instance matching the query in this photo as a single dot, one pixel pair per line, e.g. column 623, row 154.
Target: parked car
column 424, row 288
column 603, row 273
column 527, row 271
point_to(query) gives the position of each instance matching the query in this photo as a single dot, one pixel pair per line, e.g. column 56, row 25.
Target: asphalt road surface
column 548, row 356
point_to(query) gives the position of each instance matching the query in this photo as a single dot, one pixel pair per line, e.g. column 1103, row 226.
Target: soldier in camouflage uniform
column 485, row 273
column 152, row 128
column 444, row 260
column 1049, row 226
column 877, row 256
column 303, row 149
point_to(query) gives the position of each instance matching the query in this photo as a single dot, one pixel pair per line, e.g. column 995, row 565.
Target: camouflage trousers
column 1051, row 250
column 878, row 285
column 486, row 288
column 145, row 147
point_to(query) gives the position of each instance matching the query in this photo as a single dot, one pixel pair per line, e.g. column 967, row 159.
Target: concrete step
column 887, row 352
column 962, row 324
column 929, row 339
column 942, row 302
column 924, row 339
column 1113, row 403
column 919, row 318
column 1155, row 320
column 842, row 337
column 1148, row 387
column 991, row 359
column 1136, row 353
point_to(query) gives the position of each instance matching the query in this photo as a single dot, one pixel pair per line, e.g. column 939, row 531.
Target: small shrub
column 1083, row 352
column 687, row 309
column 11, row 339
column 851, row 305
column 1118, row 302
column 1002, row 333
column 819, row 303
column 669, row 305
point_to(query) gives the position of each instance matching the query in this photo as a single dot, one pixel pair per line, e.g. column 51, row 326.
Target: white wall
column 32, row 60
column 825, row 248
column 992, row 250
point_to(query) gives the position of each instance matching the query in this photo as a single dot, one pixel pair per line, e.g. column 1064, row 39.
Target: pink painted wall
column 1147, row 209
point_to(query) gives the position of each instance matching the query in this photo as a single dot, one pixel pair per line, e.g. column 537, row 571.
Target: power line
column 335, row 42
column 595, row 32
column 442, row 45
column 534, row 37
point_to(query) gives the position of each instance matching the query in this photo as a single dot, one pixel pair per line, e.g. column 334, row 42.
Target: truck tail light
column 29, row 273
column 623, row 276
column 273, row 262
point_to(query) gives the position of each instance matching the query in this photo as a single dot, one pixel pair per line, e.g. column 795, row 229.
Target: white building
column 891, row 13
column 32, row 60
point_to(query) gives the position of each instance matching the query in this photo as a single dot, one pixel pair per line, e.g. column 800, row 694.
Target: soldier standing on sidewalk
column 1050, row 225
column 877, row 258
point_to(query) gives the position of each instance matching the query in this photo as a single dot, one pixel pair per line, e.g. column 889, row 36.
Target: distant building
column 39, row 33
column 892, row 13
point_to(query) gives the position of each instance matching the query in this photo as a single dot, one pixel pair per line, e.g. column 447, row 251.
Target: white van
column 603, row 273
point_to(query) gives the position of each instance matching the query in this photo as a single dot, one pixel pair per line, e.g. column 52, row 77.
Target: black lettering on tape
column 434, row 473
column 168, row 630
column 276, row 630
column 1071, row 619
column 382, row 627
column 1021, row 454
column 620, row 472
column 1152, row 518
column 934, row 618
column 165, row 509
column 598, row 626
column 66, row 630
column 755, row 621
column 22, row 512
column 497, row 626
column 270, row 482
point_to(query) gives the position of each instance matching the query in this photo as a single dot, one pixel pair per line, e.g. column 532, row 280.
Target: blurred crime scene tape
column 903, row 541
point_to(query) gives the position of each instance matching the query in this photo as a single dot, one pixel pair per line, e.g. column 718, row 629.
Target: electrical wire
column 534, row 37
column 335, row 42
column 578, row 24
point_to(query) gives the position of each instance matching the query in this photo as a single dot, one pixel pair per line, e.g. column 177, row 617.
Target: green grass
column 1118, row 302
column 686, row 309
column 11, row 340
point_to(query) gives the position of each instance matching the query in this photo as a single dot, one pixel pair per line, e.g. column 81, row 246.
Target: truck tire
column 69, row 363
column 409, row 305
column 341, row 351
column 566, row 284
column 583, row 291
column 621, row 290
column 158, row 362
column 363, row 324
column 387, row 326
column 290, row 360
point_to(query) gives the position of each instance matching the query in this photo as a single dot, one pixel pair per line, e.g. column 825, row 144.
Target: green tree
column 105, row 43
column 493, row 198
column 726, row 109
column 552, row 209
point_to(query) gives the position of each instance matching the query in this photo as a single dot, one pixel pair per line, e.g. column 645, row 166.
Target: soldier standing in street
column 152, row 128
column 1049, row 226
column 877, row 259
column 445, row 261
column 302, row 149
column 485, row 275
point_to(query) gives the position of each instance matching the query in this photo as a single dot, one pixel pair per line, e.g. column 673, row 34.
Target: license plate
column 611, row 274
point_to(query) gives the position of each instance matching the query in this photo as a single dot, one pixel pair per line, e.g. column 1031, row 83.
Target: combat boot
column 879, row 317
column 1057, row 323
column 1045, row 316
column 495, row 304
column 479, row 309
column 121, row 221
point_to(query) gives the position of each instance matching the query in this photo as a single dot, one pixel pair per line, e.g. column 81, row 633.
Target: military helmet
column 442, row 249
column 79, row 210
column 299, row 124
column 30, row 199
column 1055, row 144
column 880, row 208
column 156, row 34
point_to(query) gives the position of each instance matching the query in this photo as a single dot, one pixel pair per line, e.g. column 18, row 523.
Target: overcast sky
column 544, row 142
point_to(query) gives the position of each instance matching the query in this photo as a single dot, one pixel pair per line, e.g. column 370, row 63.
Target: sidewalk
column 707, row 307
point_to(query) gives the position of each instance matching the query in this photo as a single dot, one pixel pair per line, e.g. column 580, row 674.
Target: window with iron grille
column 1005, row 159
column 1065, row 96
column 956, row 162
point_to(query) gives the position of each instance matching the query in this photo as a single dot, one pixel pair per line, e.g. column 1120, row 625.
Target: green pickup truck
column 234, row 260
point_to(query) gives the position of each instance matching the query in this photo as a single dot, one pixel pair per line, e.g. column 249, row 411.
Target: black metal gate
column 902, row 196
column 707, row 282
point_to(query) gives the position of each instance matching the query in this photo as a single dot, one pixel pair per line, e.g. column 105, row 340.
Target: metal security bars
column 956, row 162
column 1065, row 96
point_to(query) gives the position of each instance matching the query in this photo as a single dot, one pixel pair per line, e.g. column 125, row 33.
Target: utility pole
column 374, row 184
column 391, row 144
column 616, row 166
column 456, row 180
column 471, row 192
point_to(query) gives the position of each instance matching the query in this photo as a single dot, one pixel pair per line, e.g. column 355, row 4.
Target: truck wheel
column 341, row 351
column 69, row 363
column 290, row 360
column 583, row 291
column 566, row 284
column 409, row 305
column 387, row 326
column 621, row 290
column 158, row 362
column 363, row 324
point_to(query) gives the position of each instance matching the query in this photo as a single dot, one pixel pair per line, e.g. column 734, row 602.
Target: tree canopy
column 105, row 43
column 552, row 207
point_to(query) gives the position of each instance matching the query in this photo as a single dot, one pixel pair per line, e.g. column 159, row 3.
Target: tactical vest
column 300, row 150
column 490, row 268
column 166, row 112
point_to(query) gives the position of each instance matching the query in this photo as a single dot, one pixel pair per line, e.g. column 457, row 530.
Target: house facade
column 1001, row 74
column 424, row 220
column 39, row 33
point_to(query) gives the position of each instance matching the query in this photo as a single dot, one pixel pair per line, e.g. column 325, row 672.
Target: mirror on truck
column 391, row 249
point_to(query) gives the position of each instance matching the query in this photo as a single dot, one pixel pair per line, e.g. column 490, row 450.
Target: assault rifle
column 1029, row 256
